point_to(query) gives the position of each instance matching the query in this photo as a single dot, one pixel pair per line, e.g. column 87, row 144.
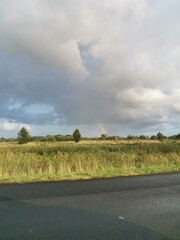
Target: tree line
column 23, row 137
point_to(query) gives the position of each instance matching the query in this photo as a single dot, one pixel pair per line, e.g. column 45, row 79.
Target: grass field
column 87, row 159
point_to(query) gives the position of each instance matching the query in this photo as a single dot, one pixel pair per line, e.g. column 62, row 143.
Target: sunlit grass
column 68, row 160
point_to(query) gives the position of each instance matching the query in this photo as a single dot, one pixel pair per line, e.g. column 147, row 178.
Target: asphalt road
column 129, row 208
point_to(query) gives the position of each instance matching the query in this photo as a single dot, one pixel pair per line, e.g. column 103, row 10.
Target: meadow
column 87, row 159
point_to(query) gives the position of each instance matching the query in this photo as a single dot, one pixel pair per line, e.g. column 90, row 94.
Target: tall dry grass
column 69, row 158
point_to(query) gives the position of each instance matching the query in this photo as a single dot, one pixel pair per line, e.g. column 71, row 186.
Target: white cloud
column 143, row 97
column 45, row 33
column 175, row 100
column 8, row 126
column 5, row 125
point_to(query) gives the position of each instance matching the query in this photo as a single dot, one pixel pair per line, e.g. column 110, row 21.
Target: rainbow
column 102, row 128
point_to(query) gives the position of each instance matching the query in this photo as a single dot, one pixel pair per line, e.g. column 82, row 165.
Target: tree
column 142, row 137
column 104, row 136
column 23, row 136
column 50, row 138
column 76, row 135
column 131, row 137
column 178, row 136
column 153, row 137
column 160, row 136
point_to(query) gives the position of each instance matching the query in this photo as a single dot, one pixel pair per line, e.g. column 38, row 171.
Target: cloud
column 90, row 62
column 6, row 125
column 143, row 97
column 44, row 32
column 175, row 101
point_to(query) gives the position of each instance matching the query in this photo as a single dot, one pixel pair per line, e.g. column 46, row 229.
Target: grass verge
column 69, row 161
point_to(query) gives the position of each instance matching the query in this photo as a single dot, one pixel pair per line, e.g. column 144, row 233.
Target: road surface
column 127, row 208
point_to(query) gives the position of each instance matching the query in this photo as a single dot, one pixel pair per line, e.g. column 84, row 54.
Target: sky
column 110, row 66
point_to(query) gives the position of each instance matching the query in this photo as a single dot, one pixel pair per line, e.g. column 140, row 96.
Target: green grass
column 68, row 160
